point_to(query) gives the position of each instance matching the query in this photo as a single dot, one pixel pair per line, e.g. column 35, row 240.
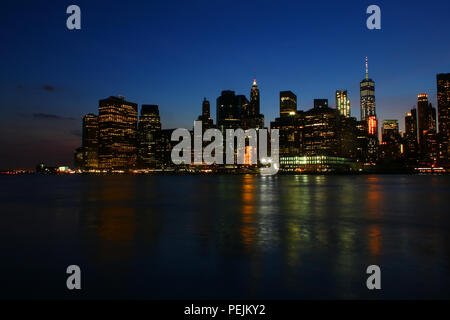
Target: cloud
column 50, row 116
column 48, row 88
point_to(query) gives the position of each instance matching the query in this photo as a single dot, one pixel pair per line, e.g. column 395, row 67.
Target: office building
column 228, row 111
column 149, row 127
column 205, row 118
column 343, row 103
column 288, row 104
column 367, row 96
column 117, row 122
column 410, row 138
column 443, row 99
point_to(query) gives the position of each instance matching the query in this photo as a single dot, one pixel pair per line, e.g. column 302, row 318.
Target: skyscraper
column 390, row 149
column 362, row 142
column 426, row 117
column 228, row 112
column 164, row 148
column 149, row 128
column 254, row 99
column 205, row 118
column 252, row 117
column 90, row 142
column 348, row 138
column 443, row 97
column 372, row 139
column 206, row 109
column 288, row 103
column 367, row 96
column 343, row 103
column 426, row 127
column 289, row 124
column 411, row 146
column 117, row 133
column 321, row 132
column 390, row 129
column 247, row 119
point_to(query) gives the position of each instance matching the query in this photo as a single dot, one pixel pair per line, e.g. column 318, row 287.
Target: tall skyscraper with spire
column 254, row 99
column 252, row 118
column 369, row 115
column 367, row 96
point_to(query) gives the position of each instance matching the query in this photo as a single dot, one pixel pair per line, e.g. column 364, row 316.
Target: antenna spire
column 367, row 68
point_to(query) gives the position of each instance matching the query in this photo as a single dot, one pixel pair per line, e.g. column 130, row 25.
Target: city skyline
column 73, row 73
column 225, row 158
column 321, row 139
column 317, row 103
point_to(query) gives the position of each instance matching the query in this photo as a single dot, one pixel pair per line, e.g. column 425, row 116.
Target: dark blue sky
column 174, row 53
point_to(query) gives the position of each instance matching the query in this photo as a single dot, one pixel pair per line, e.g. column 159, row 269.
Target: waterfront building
column 149, row 127
column 391, row 145
column 348, row 138
column 317, row 164
column 426, row 131
column 289, row 125
column 443, row 99
column 320, row 132
column 117, row 133
column 410, row 138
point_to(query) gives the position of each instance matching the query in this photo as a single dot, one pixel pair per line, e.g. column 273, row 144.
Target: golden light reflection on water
column 112, row 221
column 375, row 240
column 248, row 231
column 116, row 224
column 284, row 227
column 374, row 211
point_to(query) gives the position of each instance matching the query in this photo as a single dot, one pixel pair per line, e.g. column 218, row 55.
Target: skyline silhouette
column 175, row 54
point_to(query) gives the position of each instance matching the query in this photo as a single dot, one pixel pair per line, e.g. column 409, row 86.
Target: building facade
column 149, row 128
column 426, row 131
column 117, row 122
column 205, row 118
column 228, row 111
column 320, row 132
column 288, row 104
column 443, row 99
column 343, row 103
column 410, row 138
column 367, row 96
column 391, row 142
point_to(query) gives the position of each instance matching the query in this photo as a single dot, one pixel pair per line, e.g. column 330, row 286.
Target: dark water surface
column 239, row 237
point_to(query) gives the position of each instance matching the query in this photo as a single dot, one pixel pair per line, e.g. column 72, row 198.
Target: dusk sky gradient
column 174, row 53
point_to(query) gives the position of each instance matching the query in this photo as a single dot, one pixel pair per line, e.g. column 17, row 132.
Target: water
column 225, row 237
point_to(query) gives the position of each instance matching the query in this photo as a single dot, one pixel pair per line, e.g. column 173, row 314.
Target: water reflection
column 107, row 217
column 244, row 233
column 248, row 229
